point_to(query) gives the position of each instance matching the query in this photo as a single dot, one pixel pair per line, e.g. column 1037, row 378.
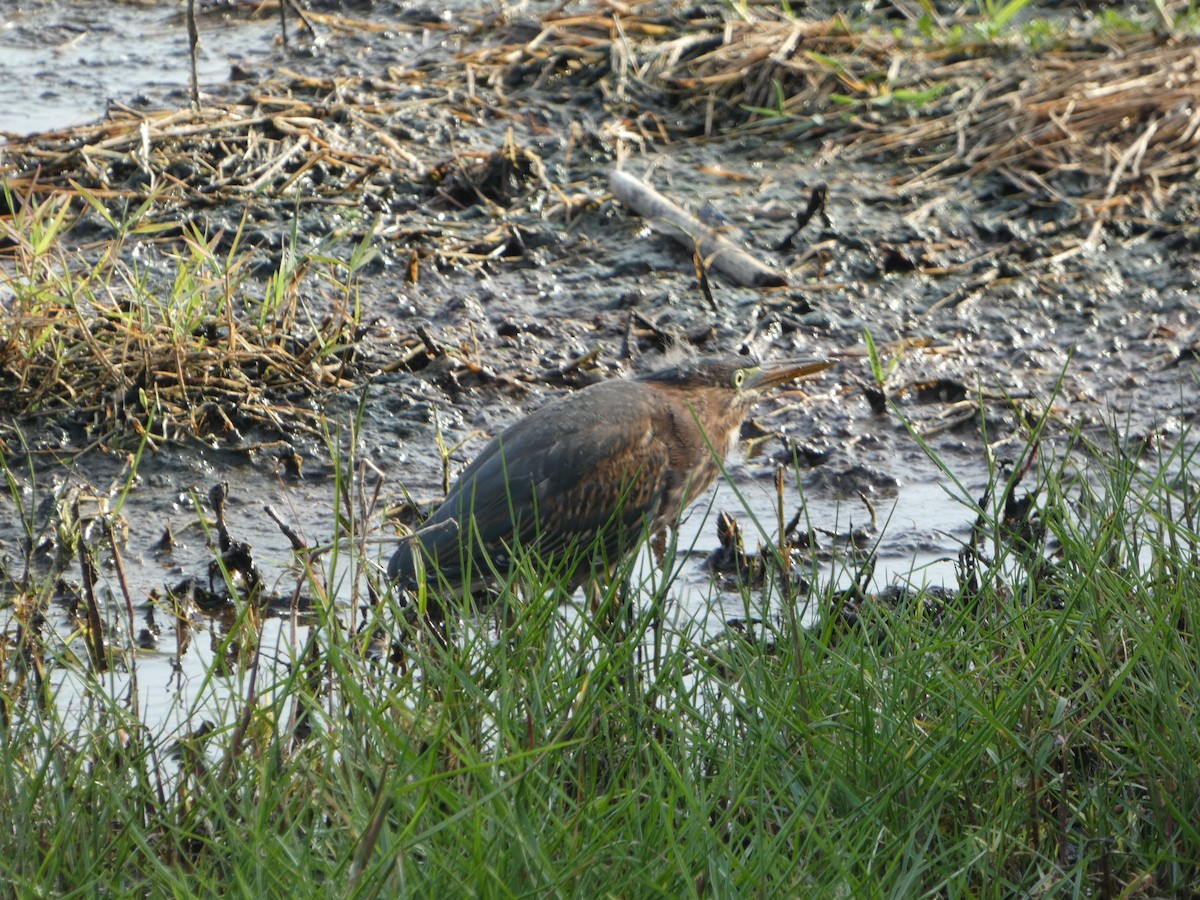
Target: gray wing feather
column 558, row 472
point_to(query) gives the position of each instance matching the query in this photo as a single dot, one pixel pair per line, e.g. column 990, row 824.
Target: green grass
column 1036, row 736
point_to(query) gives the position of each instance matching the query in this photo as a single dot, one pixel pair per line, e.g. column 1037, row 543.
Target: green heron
column 594, row 471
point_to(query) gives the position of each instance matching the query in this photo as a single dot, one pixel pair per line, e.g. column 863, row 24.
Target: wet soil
column 502, row 273
column 64, row 63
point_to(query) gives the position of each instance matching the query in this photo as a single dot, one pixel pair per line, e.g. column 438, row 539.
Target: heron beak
column 785, row 371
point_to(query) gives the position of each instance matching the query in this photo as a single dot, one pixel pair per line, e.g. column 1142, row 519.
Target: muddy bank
column 430, row 193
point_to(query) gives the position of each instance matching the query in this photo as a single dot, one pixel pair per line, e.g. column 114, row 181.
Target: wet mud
column 466, row 154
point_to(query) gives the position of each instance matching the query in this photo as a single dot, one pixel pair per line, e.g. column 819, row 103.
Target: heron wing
column 586, row 465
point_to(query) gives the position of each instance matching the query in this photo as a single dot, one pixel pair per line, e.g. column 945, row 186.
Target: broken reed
column 1103, row 115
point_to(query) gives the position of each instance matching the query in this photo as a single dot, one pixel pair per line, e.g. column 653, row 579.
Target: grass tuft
column 127, row 357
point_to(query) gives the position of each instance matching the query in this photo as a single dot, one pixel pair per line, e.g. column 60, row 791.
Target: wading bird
column 592, row 472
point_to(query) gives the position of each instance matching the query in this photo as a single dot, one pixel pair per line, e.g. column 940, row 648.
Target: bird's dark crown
column 709, row 371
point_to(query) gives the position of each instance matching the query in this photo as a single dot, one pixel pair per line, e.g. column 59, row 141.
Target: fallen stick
column 714, row 250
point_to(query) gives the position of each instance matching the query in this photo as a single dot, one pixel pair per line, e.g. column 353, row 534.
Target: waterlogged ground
column 62, row 64
column 993, row 297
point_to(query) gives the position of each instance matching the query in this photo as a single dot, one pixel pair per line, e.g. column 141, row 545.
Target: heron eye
column 738, row 378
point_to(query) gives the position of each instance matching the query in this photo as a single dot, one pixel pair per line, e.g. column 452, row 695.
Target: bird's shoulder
column 588, row 427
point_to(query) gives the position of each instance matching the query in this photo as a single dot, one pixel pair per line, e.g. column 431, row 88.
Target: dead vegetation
column 1106, row 118
column 1103, row 116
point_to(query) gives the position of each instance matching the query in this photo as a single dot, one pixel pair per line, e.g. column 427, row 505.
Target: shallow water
column 176, row 660
column 62, row 63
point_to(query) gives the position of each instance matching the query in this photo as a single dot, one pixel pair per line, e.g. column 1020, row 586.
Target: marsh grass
column 106, row 343
column 1036, row 735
